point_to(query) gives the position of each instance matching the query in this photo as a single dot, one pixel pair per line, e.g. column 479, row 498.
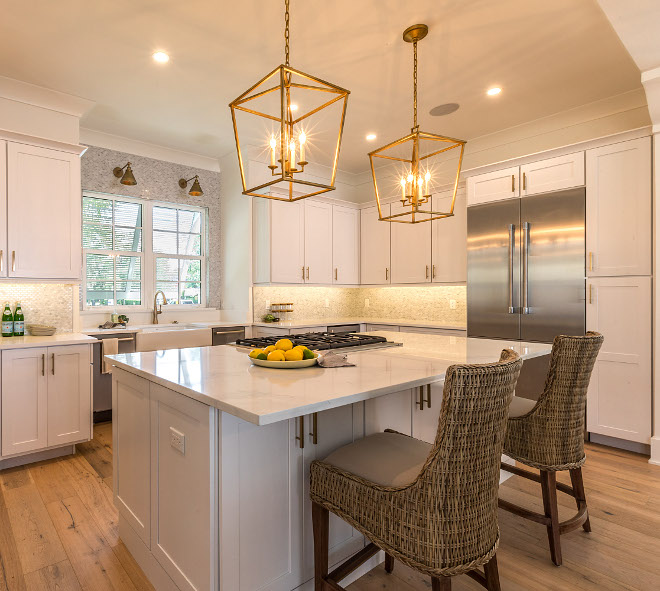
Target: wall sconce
column 195, row 190
column 126, row 177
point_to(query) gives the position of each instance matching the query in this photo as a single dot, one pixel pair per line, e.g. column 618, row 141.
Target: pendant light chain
column 414, row 84
column 286, row 32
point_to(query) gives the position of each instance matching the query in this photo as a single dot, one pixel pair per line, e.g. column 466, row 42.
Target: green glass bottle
column 7, row 322
column 19, row 321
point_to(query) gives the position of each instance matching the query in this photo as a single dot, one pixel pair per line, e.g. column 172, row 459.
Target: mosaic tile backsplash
column 397, row 303
column 42, row 303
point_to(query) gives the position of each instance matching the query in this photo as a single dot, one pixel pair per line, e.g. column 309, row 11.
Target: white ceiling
column 548, row 56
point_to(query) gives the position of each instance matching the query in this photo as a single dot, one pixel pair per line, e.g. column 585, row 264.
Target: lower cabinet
column 46, row 398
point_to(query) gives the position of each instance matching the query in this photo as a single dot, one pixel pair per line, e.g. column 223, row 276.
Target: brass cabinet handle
column 307, row 272
column 433, row 274
column 524, row 181
column 315, row 428
column 387, row 273
column 335, row 273
column 303, row 273
column 590, row 290
column 591, row 261
column 53, row 358
column 427, row 271
column 43, row 364
column 301, row 437
column 13, row 260
column 420, row 402
column 428, row 395
column 513, row 183
column 2, row 260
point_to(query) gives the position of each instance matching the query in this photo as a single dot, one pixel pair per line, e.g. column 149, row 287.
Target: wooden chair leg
column 492, row 575
column 389, row 563
column 580, row 497
column 549, row 490
column 321, row 528
column 440, row 583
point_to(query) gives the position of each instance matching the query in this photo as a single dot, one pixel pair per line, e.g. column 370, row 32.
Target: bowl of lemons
column 283, row 355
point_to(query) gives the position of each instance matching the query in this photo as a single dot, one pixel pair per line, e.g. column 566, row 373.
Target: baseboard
column 37, row 456
column 102, row 416
column 634, row 446
column 655, row 451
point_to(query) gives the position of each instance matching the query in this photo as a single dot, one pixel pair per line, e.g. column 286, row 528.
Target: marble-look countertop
column 135, row 328
column 386, row 321
column 28, row 341
column 224, row 378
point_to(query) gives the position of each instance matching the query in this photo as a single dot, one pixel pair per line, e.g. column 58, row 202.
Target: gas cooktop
column 320, row 341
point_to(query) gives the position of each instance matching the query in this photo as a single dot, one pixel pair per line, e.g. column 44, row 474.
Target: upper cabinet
column 493, row 186
column 552, row 174
column 345, row 245
column 619, row 215
column 40, row 197
column 318, row 242
column 374, row 247
column 411, row 250
column 449, row 240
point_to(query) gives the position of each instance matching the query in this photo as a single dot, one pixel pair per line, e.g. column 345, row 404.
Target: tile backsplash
column 385, row 302
column 42, row 303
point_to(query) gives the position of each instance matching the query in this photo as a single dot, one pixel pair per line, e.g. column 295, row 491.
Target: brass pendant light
column 125, row 177
column 288, row 119
column 195, row 190
column 413, row 167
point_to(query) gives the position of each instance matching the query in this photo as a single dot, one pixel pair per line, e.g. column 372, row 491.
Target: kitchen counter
column 361, row 320
column 28, row 341
column 141, row 327
column 224, row 378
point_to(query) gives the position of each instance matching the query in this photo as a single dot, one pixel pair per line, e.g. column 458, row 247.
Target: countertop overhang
column 224, row 378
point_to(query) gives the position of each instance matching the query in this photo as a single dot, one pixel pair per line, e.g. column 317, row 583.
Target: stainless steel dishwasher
column 223, row 335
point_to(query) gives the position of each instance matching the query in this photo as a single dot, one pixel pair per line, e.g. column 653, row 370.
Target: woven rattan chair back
column 551, row 435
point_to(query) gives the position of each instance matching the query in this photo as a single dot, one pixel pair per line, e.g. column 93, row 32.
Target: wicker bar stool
column 433, row 507
column 548, row 434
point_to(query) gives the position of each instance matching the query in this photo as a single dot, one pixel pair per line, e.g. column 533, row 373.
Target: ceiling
column 547, row 57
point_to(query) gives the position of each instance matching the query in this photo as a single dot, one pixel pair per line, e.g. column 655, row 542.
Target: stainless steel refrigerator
column 526, row 267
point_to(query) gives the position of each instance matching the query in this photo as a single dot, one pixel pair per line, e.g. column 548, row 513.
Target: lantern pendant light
column 283, row 123
column 413, row 167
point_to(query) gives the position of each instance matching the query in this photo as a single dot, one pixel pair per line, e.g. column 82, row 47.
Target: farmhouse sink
column 172, row 337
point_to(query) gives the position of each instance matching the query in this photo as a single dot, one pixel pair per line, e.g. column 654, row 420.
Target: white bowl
column 284, row 364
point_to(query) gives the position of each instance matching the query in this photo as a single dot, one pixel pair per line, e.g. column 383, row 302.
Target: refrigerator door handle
column 525, row 274
column 512, row 249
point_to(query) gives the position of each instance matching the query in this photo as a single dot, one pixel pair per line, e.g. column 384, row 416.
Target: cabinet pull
column 315, row 428
column 387, row 273
column 43, row 364
column 2, row 260
column 53, row 359
column 427, row 271
column 420, row 402
column 335, row 273
column 590, row 290
column 303, row 273
column 13, row 260
column 307, row 273
column 301, row 427
column 433, row 274
column 513, row 183
column 591, row 261
column 428, row 395
column 524, row 181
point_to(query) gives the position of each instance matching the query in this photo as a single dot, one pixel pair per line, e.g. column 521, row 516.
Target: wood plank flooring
column 58, row 530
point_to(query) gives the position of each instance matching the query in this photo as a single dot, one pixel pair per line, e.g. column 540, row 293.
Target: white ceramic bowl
column 284, row 364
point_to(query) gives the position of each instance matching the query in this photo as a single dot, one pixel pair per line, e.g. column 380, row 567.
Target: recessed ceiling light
column 371, row 137
column 294, row 107
column 493, row 91
column 161, row 57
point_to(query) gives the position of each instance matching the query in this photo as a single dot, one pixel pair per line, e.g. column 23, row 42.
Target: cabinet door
column 3, row 209
column 619, row 220
column 345, row 245
column 318, row 242
column 24, row 401
column 619, row 399
column 425, row 416
column 391, row 411
column 493, row 186
column 43, row 212
column 69, row 394
column 553, row 174
column 411, row 250
column 287, row 242
column 334, row 428
column 261, row 505
column 374, row 247
column 449, row 240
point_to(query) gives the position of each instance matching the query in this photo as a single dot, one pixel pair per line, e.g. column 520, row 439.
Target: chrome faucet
column 158, row 307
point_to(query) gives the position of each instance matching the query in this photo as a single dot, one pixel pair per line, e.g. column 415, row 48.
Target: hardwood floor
column 58, row 530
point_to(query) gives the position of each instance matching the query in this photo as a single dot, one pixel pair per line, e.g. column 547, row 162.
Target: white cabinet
column 393, row 411
column 619, row 399
column 318, row 242
column 3, row 209
column 43, row 200
column 69, row 394
column 24, row 401
column 553, row 174
column 374, row 247
column 449, row 240
column 46, row 398
column 345, row 245
column 619, row 220
column 493, row 186
column 411, row 250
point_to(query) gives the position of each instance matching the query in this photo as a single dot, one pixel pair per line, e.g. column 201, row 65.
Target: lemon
column 294, row 355
column 307, row 354
column 255, row 352
column 276, row 356
column 284, row 345
column 269, row 349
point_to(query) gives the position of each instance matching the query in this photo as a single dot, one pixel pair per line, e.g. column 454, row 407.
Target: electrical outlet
column 268, row 304
column 452, row 304
column 327, row 303
column 366, row 302
column 178, row 440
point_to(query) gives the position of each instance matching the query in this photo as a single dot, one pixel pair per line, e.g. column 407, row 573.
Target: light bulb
column 410, row 178
column 302, row 138
column 403, row 182
column 427, row 176
column 273, row 143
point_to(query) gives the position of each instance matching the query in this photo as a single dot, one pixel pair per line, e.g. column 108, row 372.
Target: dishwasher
column 339, row 328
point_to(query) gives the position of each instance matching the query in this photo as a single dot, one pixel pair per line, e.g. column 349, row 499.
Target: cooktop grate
column 318, row 341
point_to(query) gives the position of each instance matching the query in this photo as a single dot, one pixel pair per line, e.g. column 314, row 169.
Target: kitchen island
column 212, row 454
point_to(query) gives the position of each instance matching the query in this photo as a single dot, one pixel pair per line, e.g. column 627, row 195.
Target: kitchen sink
column 176, row 336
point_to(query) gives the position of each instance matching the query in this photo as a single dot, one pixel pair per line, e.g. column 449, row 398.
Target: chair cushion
column 390, row 459
column 520, row 406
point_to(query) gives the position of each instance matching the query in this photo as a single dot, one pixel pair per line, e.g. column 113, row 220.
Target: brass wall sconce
column 126, row 177
column 195, row 190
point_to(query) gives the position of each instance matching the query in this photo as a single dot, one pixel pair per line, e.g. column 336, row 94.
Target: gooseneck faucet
column 158, row 307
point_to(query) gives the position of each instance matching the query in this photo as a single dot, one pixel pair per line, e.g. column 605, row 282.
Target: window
column 133, row 248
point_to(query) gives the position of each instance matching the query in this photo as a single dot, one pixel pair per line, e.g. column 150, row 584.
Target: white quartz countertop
column 224, row 378
column 386, row 321
column 141, row 327
column 28, row 341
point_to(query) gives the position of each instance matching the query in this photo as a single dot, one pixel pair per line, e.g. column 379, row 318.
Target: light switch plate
column 178, row 440
column 327, row 303
column 366, row 302
column 452, row 304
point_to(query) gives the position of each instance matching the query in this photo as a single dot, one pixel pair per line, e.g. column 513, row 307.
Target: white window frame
column 148, row 256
